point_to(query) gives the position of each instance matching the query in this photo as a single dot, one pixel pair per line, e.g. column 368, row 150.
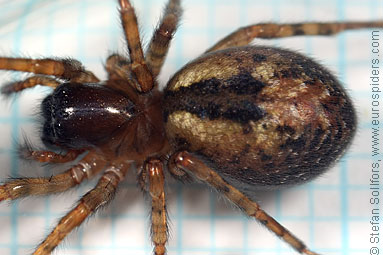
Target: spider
column 127, row 122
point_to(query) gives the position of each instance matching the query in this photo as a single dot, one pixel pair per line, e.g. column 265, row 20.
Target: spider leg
column 159, row 44
column 190, row 163
column 138, row 65
column 142, row 178
column 67, row 69
column 119, row 74
column 49, row 156
column 118, row 67
column 88, row 204
column 176, row 172
column 14, row 87
column 245, row 35
column 159, row 229
column 89, row 166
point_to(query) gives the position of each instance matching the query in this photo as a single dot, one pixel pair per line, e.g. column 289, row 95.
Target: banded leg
column 159, row 229
column 138, row 65
column 93, row 200
column 67, row 69
column 245, row 35
column 89, row 166
column 14, row 87
column 159, row 44
column 192, row 164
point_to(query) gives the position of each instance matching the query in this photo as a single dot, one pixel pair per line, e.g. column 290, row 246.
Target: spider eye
column 130, row 110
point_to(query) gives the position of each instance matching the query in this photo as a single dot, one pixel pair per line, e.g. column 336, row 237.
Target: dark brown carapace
column 239, row 118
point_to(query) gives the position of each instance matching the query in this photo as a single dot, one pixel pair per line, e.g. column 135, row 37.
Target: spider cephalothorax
column 86, row 116
column 238, row 117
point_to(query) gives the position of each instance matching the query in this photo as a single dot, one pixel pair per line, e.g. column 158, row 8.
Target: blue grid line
column 80, row 54
column 245, row 220
column 276, row 18
column 179, row 49
column 48, row 30
column 343, row 174
column 220, row 250
column 310, row 186
column 15, row 130
column 207, row 216
column 212, row 197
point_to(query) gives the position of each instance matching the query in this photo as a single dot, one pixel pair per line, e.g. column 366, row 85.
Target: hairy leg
column 138, row 65
column 67, row 69
column 14, row 87
column 89, row 166
column 245, row 35
column 159, row 229
column 119, row 74
column 49, row 156
column 160, row 42
column 89, row 203
column 192, row 164
column 118, row 67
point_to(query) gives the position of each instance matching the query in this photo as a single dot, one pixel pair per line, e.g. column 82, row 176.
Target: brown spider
column 129, row 122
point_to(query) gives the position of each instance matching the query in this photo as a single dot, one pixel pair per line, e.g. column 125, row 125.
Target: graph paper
column 330, row 214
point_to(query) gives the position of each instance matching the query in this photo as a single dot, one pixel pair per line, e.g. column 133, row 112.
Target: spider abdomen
column 84, row 115
column 260, row 116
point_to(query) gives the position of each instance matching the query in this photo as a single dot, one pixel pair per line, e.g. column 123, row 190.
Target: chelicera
column 239, row 117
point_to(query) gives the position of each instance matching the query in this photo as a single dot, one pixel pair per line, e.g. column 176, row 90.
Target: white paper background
column 330, row 214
